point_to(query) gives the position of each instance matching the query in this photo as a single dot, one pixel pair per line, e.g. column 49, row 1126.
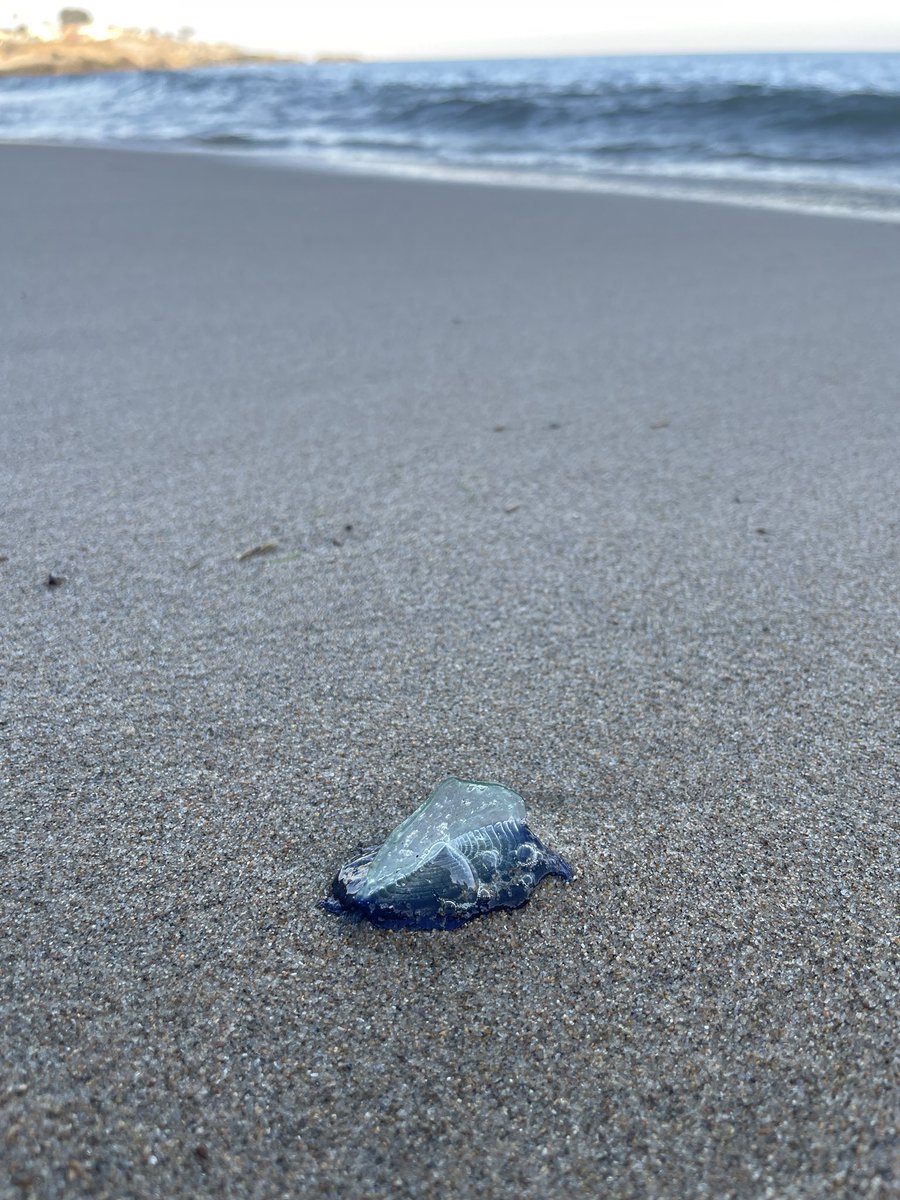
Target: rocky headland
column 25, row 54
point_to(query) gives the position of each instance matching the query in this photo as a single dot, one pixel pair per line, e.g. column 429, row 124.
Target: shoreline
column 726, row 193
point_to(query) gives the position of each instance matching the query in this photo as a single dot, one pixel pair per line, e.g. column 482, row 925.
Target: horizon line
column 350, row 57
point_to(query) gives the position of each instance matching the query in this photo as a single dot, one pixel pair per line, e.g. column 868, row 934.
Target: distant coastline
column 23, row 53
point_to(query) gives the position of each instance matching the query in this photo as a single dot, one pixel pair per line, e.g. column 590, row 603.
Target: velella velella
column 465, row 851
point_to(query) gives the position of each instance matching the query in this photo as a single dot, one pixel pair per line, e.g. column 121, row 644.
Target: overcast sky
column 424, row 28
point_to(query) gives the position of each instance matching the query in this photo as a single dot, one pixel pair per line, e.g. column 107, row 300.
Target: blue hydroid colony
column 465, row 851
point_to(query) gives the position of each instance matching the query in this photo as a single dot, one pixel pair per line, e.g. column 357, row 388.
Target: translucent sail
column 453, row 809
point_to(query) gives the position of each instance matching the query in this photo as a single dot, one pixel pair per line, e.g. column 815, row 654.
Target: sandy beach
column 594, row 496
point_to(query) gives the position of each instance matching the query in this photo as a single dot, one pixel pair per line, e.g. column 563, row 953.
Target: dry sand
column 594, row 496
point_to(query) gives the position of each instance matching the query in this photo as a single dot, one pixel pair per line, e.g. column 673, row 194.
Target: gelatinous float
column 465, row 851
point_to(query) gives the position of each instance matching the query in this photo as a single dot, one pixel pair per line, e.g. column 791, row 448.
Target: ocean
column 809, row 131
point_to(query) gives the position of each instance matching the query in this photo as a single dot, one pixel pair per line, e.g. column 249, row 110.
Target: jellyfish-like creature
column 465, row 851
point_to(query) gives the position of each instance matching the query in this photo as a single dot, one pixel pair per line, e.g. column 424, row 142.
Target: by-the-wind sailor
column 465, row 851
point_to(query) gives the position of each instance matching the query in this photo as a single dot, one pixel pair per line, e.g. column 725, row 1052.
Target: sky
column 485, row 28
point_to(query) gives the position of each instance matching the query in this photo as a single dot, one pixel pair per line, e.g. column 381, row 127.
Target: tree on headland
column 71, row 20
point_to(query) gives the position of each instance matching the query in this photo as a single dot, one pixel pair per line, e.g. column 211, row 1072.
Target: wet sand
column 594, row 496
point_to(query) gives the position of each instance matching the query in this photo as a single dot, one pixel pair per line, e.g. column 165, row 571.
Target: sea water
column 818, row 131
